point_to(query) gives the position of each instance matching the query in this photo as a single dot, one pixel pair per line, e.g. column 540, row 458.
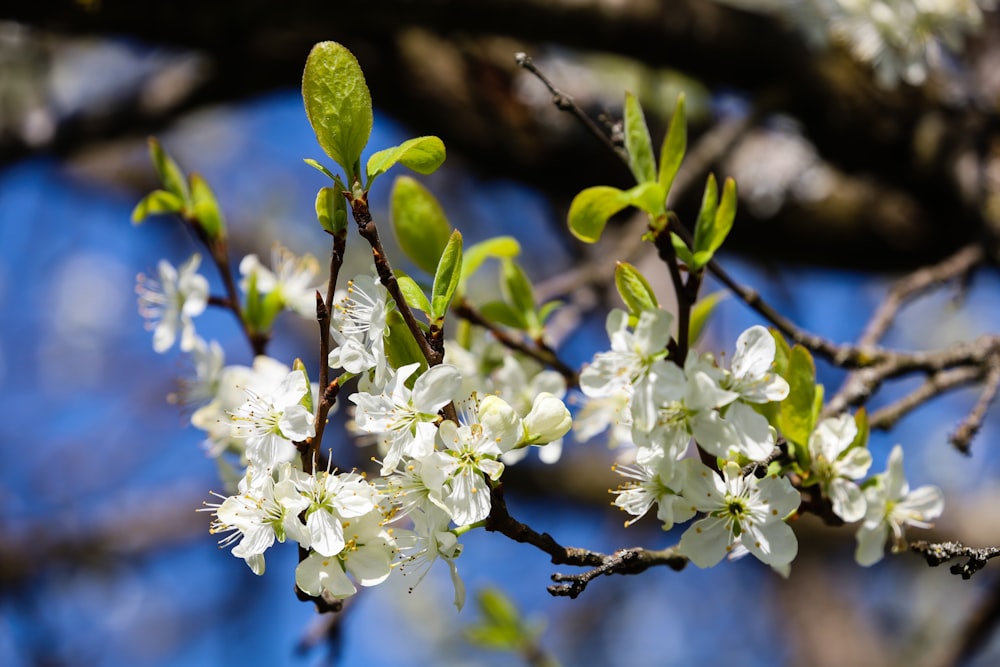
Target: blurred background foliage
column 847, row 179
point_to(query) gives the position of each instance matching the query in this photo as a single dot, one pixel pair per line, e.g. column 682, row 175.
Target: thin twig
column 961, row 439
column 919, row 282
column 623, row 561
column 935, row 385
column 544, row 355
column 565, row 103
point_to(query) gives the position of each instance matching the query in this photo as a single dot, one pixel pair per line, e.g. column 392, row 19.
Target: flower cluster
column 660, row 408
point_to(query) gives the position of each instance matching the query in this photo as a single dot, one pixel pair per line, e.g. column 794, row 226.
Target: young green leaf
column 864, row 428
column 498, row 247
column 547, row 309
column 634, row 289
column 702, row 311
column 157, row 201
column 518, row 292
column 206, row 208
column 423, row 155
column 419, row 223
column 307, row 399
column 782, row 353
column 706, row 216
column 638, row 145
column 503, row 313
column 590, row 210
column 722, row 223
column 338, row 103
column 415, row 297
column 170, row 173
column 681, row 249
column 447, row 276
column 400, row 346
column 331, row 209
column 674, row 146
column 648, row 197
column 798, row 412
column 321, row 169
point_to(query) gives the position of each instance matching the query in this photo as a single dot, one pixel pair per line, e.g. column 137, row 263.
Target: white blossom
column 170, row 303
column 269, row 419
column 292, row 280
column 836, row 464
column 891, row 507
column 407, row 417
column 740, row 508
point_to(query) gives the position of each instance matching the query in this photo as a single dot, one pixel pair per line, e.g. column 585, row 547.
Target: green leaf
column 338, row 104
column 547, row 309
column 681, row 249
column 400, row 346
column 713, row 236
column 423, row 155
column 331, row 209
column 498, row 247
column 253, row 310
column 864, row 428
column 503, row 313
column 497, row 608
column 706, row 216
column 674, row 146
column 518, row 292
column 648, row 197
column 322, row 169
column 170, row 173
column 634, row 289
column 638, row 145
column 798, row 412
column 782, row 353
column 590, row 210
column 447, row 276
column 157, row 201
column 702, row 311
column 414, row 296
column 206, row 208
column 307, row 399
column 419, row 223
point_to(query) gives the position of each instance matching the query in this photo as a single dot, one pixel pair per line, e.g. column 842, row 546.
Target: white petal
column 436, row 388
column 371, row 563
column 847, row 499
column 326, row 533
column 317, row 573
column 871, row 543
column 702, row 487
column 706, row 542
column 754, row 355
column 773, row 543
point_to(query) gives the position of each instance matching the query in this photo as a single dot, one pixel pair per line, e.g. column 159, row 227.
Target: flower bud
column 548, row 420
column 500, row 421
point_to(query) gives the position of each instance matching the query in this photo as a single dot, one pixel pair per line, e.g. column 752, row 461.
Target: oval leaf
column 702, row 311
column 414, row 296
column 674, row 146
column 518, row 292
column 797, row 415
column 638, row 145
column 331, row 210
column 423, row 155
column 418, row 222
column 634, row 289
column 590, row 210
column 206, row 208
column 338, row 103
column 498, row 247
column 169, row 172
column 447, row 276
column 157, row 201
